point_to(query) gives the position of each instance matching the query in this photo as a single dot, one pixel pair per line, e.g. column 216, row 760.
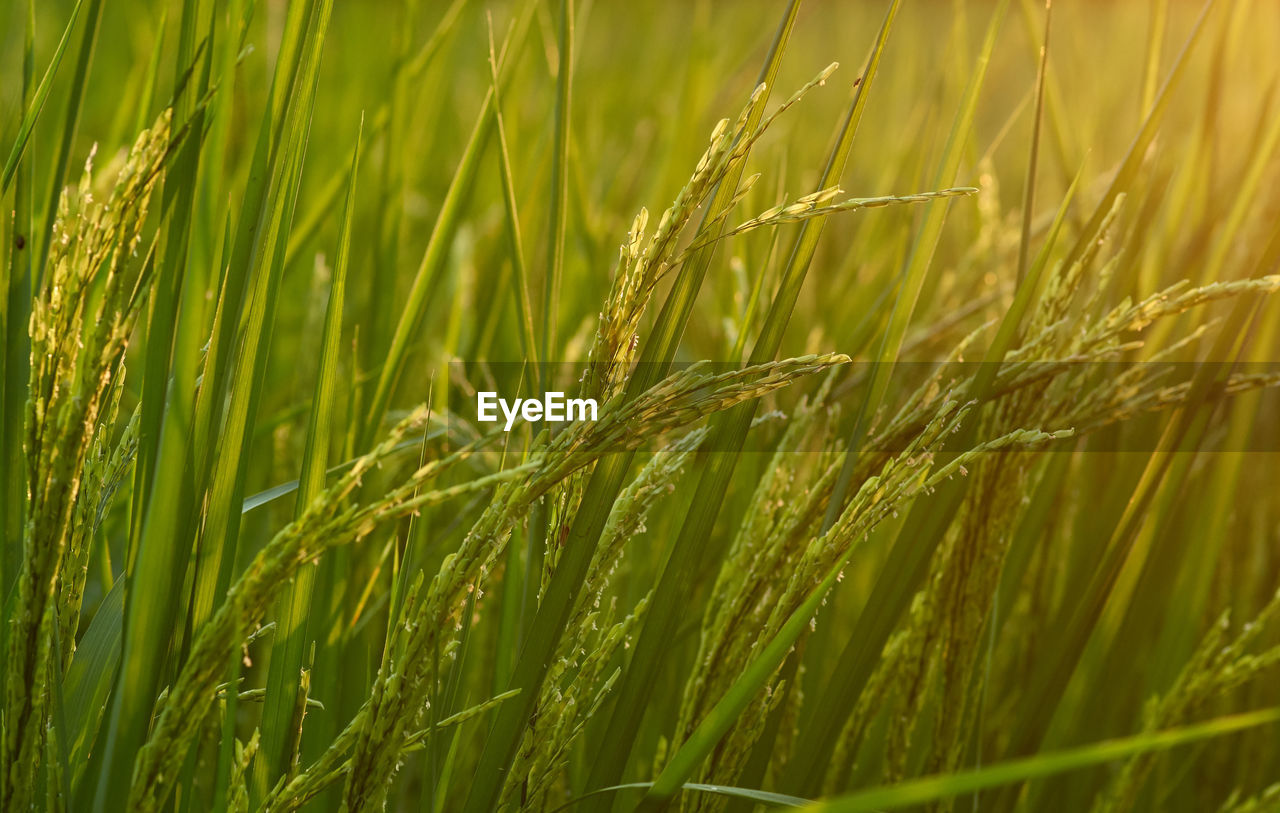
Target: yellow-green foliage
column 936, row 443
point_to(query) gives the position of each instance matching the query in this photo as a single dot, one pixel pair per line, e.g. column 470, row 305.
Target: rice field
column 930, row 351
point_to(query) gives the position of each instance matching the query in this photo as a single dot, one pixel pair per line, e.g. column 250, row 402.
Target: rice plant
column 930, row 354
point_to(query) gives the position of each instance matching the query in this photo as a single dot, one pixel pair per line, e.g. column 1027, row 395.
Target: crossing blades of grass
column 222, row 520
column 728, row 433
column 34, row 104
column 434, row 259
column 150, row 609
column 602, row 488
column 807, row 768
column 913, row 275
column 931, row 789
column 743, row 621
column 290, row 637
column 1183, row 437
column 926, row 522
column 722, row 716
column 70, row 123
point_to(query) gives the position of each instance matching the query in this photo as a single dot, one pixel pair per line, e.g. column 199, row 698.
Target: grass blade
column 913, row 275
column 728, row 434
column 602, row 488
column 431, row 269
column 932, row 789
column 90, row 677
column 36, row 103
column 524, row 310
column 559, row 182
column 17, row 288
column 70, row 123
column 153, row 558
column 926, row 524
column 726, row 711
column 1182, row 438
column 290, row 637
column 762, row 797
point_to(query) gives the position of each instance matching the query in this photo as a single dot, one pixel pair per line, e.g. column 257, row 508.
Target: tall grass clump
column 933, row 459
